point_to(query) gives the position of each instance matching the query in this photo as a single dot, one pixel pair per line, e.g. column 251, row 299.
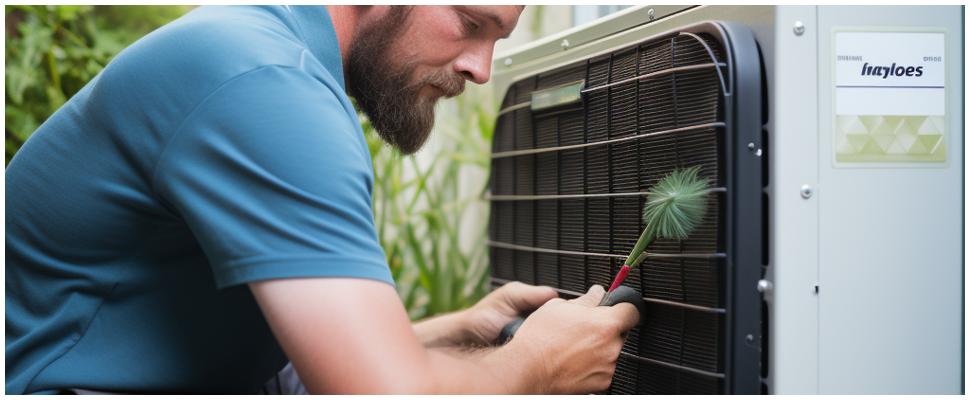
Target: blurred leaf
column 425, row 274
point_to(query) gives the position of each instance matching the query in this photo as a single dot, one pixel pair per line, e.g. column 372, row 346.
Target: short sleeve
column 272, row 176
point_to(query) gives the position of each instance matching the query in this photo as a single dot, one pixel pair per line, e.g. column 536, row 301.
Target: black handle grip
column 622, row 294
column 509, row 330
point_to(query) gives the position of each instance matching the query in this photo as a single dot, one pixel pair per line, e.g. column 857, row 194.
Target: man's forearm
column 484, row 370
column 446, row 330
column 460, row 365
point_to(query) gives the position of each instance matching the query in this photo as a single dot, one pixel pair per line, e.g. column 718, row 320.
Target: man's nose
column 475, row 64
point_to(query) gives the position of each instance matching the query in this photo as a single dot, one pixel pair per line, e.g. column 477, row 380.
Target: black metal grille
column 567, row 216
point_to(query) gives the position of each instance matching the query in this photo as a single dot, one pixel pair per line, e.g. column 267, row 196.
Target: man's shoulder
column 168, row 74
column 203, row 50
column 227, row 39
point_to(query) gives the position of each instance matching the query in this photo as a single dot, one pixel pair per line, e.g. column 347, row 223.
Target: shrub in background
column 52, row 51
column 430, row 210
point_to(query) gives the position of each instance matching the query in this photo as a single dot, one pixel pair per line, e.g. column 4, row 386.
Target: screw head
column 799, row 28
column 508, row 61
column 764, row 286
column 565, row 44
column 806, row 191
column 651, row 14
column 749, row 339
column 750, row 145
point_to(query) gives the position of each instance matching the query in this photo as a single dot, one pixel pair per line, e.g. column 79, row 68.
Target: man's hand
column 481, row 324
column 486, row 318
column 577, row 341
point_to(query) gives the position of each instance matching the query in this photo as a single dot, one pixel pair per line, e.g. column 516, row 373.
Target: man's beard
column 381, row 85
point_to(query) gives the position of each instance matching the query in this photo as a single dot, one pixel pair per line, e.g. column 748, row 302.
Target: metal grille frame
column 568, row 184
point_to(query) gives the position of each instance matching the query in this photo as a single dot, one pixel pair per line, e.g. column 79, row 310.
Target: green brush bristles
column 675, row 206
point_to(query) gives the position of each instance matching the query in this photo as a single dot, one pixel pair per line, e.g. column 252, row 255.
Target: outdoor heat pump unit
column 830, row 259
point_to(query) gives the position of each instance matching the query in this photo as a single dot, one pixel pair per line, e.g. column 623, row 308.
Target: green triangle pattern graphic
column 857, row 141
column 890, row 138
column 930, row 141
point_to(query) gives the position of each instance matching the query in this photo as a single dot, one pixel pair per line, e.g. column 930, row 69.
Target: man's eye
column 468, row 24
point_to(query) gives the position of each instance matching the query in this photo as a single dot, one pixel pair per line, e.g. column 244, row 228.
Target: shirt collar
column 316, row 28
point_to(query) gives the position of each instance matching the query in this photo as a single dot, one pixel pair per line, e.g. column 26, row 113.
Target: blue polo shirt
column 218, row 150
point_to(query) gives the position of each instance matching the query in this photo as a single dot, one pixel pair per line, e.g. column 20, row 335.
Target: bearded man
column 200, row 213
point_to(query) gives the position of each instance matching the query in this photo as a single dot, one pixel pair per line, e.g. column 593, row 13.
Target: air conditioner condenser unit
column 830, row 259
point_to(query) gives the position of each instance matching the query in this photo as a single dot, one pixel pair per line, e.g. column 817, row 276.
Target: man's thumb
column 592, row 297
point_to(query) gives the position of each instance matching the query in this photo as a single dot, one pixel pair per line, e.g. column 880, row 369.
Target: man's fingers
column 527, row 297
column 592, row 297
column 626, row 313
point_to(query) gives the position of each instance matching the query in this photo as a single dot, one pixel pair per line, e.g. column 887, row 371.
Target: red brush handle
column 620, row 276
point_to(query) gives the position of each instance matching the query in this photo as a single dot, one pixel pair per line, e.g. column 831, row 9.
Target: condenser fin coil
column 569, row 179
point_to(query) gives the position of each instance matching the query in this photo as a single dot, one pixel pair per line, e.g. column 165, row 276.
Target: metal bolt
column 799, row 28
column 806, row 191
column 651, row 14
column 565, row 44
column 764, row 286
column 508, row 61
column 751, row 147
column 749, row 339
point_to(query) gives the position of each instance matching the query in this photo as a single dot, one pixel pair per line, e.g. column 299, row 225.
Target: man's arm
column 446, row 330
column 353, row 336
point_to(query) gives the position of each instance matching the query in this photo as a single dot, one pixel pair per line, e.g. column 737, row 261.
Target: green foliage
column 53, row 51
column 675, row 206
column 423, row 210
